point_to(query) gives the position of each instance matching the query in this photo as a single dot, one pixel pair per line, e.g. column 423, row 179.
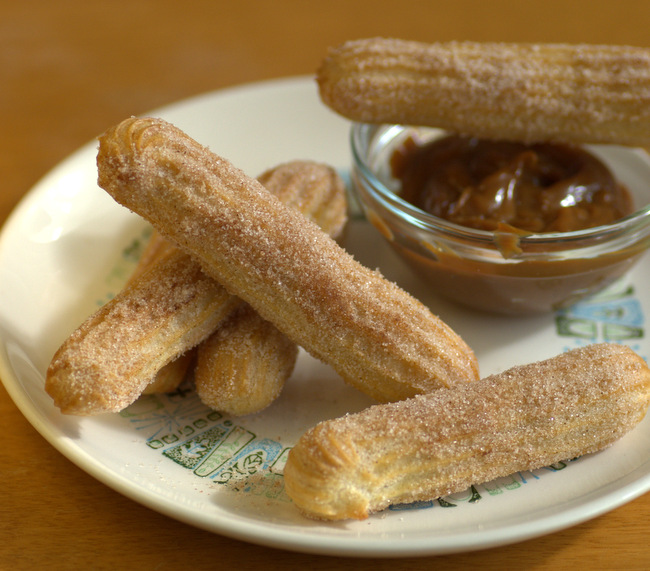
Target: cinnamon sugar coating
column 170, row 376
column 257, row 374
column 375, row 335
column 521, row 92
column 437, row 444
column 243, row 366
column 108, row 361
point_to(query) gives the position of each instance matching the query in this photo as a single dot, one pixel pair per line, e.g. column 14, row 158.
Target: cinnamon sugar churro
column 243, row 366
column 437, row 444
column 155, row 250
column 522, row 92
column 108, row 361
column 376, row 336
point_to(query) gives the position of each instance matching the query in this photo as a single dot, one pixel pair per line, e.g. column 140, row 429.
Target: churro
column 243, row 366
column 259, row 370
column 140, row 342
column 522, row 92
column 376, row 336
column 170, row 377
column 314, row 189
column 437, row 444
column 108, row 361
column 156, row 249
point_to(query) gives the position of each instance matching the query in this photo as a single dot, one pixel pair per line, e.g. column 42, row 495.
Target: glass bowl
column 500, row 272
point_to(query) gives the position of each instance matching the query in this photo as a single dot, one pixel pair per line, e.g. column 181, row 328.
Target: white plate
column 68, row 247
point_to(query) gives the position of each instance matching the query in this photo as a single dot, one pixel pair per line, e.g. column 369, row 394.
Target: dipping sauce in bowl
column 485, row 184
column 500, row 226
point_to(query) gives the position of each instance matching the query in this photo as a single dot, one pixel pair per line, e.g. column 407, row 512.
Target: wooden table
column 68, row 70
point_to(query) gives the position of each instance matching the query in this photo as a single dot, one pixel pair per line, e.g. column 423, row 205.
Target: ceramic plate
column 68, row 248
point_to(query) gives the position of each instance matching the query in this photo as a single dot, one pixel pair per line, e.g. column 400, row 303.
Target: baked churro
column 314, row 189
column 522, row 92
column 441, row 443
column 169, row 378
column 318, row 192
column 108, row 361
column 243, row 366
column 142, row 337
column 376, row 336
column 156, row 249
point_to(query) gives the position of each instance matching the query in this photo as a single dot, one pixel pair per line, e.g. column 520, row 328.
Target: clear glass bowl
column 499, row 271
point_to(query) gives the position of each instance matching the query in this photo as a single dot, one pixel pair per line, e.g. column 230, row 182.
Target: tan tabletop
column 68, row 70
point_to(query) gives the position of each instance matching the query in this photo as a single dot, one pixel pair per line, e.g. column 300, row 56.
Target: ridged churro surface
column 258, row 372
column 433, row 445
column 314, row 189
column 109, row 360
column 523, row 92
column 156, row 249
column 376, row 336
column 243, row 366
column 169, row 377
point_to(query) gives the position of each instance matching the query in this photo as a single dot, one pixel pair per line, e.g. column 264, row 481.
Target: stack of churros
column 375, row 335
column 143, row 340
column 239, row 276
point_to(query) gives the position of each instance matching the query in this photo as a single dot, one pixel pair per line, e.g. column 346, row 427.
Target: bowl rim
column 427, row 221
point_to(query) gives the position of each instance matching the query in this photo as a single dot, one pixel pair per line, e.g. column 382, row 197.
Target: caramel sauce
column 485, row 184
column 512, row 190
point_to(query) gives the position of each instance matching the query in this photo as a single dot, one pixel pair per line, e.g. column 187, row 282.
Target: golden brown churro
column 257, row 372
column 375, row 335
column 243, row 366
column 318, row 192
column 171, row 327
column 108, row 361
column 169, row 378
column 522, row 92
column 314, row 189
column 441, row 443
column 156, row 249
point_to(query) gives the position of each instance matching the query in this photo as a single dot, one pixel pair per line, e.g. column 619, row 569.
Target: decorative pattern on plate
column 614, row 315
